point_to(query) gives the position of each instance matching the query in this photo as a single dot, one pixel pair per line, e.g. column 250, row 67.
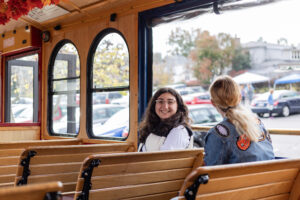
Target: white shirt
column 178, row 138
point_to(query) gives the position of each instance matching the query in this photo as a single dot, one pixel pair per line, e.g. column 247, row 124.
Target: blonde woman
column 240, row 137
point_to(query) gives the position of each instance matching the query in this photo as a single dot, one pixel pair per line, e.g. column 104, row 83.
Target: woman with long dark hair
column 166, row 123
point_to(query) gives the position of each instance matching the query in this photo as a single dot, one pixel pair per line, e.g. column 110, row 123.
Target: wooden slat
column 6, row 185
column 76, row 149
column 136, row 190
column 24, row 144
column 252, row 167
column 7, row 178
column 277, row 197
column 143, row 157
column 139, row 167
column 55, row 168
column 167, row 195
column 140, row 178
column 59, row 158
column 247, row 180
column 254, row 192
column 10, row 152
column 12, row 160
column 11, row 169
column 64, row 178
column 29, row 192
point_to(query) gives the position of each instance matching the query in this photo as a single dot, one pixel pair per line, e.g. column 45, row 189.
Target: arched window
column 64, row 90
column 108, row 86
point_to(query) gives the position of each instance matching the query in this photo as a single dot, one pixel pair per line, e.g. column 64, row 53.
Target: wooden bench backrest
column 24, row 144
column 10, row 154
column 32, row 192
column 156, row 175
column 268, row 180
column 62, row 163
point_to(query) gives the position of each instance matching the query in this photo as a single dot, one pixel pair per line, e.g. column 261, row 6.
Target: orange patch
column 243, row 143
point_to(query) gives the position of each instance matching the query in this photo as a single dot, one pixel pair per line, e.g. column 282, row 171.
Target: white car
column 116, row 126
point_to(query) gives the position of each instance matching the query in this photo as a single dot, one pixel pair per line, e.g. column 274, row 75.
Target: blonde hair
column 225, row 95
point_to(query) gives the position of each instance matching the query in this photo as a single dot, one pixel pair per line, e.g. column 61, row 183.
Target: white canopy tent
column 248, row 77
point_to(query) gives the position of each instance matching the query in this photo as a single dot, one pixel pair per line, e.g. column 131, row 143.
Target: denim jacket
column 223, row 145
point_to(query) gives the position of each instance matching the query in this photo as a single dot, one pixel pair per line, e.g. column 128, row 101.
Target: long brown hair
column 226, row 95
column 151, row 122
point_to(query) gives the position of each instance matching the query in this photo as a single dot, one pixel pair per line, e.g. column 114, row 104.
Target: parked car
column 197, row 89
column 285, row 103
column 124, row 100
column 203, row 115
column 185, row 91
column 116, row 126
column 197, row 98
column 22, row 114
column 105, row 97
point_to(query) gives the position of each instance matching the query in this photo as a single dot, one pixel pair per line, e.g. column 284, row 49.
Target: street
column 284, row 146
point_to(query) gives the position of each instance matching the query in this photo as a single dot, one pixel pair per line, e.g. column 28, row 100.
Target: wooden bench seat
column 10, row 154
column 60, row 163
column 136, row 175
column 42, row 191
column 265, row 180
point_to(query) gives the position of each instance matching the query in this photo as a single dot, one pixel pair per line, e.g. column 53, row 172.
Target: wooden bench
column 10, row 151
column 60, row 163
column 267, row 180
column 43, row 191
column 136, row 175
column 10, row 154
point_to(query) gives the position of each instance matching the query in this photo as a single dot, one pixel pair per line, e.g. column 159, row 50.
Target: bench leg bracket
column 87, row 175
column 190, row 192
column 26, row 171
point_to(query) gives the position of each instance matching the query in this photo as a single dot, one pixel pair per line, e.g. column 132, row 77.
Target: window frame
column 51, row 93
column 11, row 56
column 89, row 83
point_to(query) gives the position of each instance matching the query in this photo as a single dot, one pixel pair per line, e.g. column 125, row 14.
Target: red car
column 197, row 98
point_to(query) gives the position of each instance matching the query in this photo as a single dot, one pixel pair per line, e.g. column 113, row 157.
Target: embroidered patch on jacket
column 262, row 137
column 222, row 130
column 243, row 143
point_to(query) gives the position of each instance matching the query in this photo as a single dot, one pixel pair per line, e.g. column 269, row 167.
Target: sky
column 271, row 22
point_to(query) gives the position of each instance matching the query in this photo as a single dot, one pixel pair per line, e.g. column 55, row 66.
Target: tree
column 161, row 73
column 111, row 65
column 212, row 54
column 182, row 41
column 241, row 60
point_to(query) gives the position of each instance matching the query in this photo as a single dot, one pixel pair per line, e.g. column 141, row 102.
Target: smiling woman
column 166, row 123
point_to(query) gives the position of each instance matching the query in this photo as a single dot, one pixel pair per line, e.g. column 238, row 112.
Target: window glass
column 111, row 62
column 65, row 94
column 22, row 90
column 110, row 87
column 259, row 56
